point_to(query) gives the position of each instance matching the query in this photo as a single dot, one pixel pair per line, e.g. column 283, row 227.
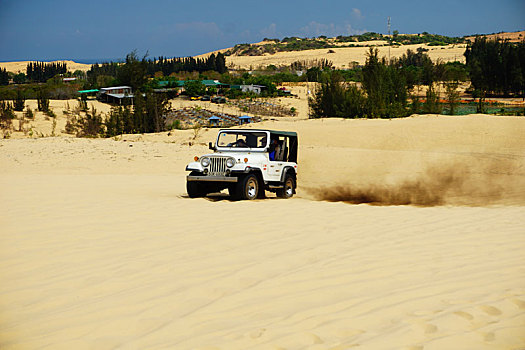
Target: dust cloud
column 452, row 184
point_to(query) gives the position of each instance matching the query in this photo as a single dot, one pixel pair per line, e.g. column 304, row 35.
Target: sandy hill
column 342, row 57
column 20, row 66
column 510, row 36
column 345, row 56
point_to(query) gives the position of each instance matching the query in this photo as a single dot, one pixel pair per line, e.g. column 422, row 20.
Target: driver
column 274, row 149
column 240, row 143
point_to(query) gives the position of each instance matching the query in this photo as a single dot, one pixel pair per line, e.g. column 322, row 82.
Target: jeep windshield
column 242, row 139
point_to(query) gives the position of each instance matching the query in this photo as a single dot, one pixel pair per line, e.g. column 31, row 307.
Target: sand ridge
column 344, row 57
column 21, row 66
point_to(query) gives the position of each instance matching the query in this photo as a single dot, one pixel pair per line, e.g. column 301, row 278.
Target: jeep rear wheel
column 288, row 188
column 247, row 187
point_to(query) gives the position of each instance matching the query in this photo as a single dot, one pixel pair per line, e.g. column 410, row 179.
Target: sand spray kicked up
column 453, row 184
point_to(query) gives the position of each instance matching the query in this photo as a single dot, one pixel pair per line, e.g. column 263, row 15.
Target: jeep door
column 276, row 166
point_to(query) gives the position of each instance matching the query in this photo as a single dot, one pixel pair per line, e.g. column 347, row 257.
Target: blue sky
column 58, row 29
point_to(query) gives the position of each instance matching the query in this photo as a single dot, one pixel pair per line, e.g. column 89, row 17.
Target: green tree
column 6, row 115
column 385, row 87
column 133, row 72
column 194, row 88
column 452, row 96
column 432, row 105
column 337, row 99
column 395, row 34
column 91, row 124
column 19, row 102
column 156, row 109
column 496, row 66
column 4, row 77
column 19, row 78
column 117, row 118
column 42, row 101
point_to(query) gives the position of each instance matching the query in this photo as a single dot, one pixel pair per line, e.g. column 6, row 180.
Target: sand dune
column 510, row 36
column 344, row 56
column 341, row 57
column 100, row 248
column 21, row 66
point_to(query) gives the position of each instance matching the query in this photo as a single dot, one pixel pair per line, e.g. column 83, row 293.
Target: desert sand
column 510, row 36
column 100, row 248
column 21, row 66
column 343, row 57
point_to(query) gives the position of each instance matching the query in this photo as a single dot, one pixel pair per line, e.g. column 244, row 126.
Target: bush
column 337, row 99
column 6, row 115
column 28, row 113
column 42, row 101
column 194, row 88
column 452, row 97
column 90, row 125
column 432, row 105
column 19, row 102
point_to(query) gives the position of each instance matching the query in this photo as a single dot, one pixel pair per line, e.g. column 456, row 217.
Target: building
column 257, row 89
column 180, row 83
column 115, row 94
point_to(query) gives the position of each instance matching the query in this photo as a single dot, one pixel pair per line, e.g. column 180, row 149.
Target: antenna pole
column 390, row 39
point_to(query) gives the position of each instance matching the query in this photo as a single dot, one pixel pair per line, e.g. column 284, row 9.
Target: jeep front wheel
column 195, row 189
column 288, row 188
column 247, row 188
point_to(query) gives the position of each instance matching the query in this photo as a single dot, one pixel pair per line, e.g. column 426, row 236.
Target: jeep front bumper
column 212, row 178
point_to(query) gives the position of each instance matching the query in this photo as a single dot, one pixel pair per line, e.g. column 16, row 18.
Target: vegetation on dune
column 112, row 73
column 378, row 89
column 496, row 67
column 41, row 71
column 4, row 77
column 386, row 87
column 271, row 46
column 6, row 116
column 383, row 94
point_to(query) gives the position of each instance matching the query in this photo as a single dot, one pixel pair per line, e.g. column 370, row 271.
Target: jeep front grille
column 217, row 166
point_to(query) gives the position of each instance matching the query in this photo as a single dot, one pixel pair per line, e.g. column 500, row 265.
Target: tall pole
column 390, row 39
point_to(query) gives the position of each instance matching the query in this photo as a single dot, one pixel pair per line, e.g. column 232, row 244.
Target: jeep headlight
column 230, row 162
column 205, row 161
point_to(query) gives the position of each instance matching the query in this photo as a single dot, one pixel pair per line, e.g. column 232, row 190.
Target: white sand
column 101, row 249
column 21, row 66
column 343, row 57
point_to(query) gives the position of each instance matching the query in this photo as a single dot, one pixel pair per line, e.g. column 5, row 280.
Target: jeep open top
column 246, row 162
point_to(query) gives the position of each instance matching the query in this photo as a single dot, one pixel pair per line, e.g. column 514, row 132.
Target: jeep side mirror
column 210, row 146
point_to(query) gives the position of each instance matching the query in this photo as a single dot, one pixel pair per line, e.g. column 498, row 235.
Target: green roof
column 87, row 91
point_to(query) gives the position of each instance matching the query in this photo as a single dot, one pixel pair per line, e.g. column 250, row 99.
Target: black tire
column 247, row 187
column 289, row 187
column 195, row 189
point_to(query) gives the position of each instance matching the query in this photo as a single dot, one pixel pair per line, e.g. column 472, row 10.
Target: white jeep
column 247, row 162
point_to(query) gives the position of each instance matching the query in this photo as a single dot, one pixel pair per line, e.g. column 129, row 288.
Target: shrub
column 19, row 102
column 452, row 96
column 42, row 101
column 6, row 115
column 337, row 99
column 28, row 113
column 432, row 105
column 90, row 125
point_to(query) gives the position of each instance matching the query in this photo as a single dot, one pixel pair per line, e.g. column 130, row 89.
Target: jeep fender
column 288, row 170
